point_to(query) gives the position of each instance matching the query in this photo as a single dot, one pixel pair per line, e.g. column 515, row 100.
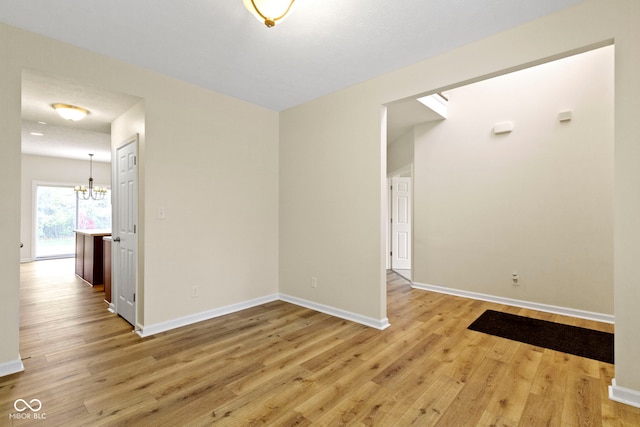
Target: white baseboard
column 146, row 331
column 8, row 368
column 624, row 395
column 343, row 314
column 572, row 312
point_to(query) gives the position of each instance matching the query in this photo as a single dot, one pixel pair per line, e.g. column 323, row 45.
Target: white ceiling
column 61, row 138
column 324, row 46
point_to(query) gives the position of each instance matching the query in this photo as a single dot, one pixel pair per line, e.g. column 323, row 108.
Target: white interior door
column 401, row 223
column 125, row 236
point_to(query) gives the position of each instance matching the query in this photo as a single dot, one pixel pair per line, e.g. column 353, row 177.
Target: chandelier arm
column 89, row 194
column 273, row 19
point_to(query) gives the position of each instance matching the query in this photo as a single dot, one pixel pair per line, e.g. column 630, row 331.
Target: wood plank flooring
column 279, row 364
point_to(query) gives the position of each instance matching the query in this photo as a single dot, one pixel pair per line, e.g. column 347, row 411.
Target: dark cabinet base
column 89, row 256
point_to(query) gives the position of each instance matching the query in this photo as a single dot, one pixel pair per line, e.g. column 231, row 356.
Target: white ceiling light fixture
column 70, row 112
column 269, row 12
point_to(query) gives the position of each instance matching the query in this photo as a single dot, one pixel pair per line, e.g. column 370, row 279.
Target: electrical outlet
column 515, row 277
column 194, row 291
column 314, row 282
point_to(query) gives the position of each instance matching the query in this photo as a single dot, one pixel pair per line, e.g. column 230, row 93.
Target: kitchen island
column 89, row 255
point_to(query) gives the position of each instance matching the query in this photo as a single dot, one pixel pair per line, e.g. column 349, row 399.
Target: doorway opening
column 516, row 183
column 54, row 153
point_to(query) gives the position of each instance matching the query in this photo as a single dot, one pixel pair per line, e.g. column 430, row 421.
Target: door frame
column 115, row 264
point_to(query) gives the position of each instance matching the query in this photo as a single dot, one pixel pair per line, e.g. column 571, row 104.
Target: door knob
column 116, row 239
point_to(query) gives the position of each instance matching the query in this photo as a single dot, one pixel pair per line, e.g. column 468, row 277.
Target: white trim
column 146, row 331
column 8, row 368
column 565, row 311
column 624, row 395
column 336, row 312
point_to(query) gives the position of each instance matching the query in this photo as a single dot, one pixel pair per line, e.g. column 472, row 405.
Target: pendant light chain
column 90, row 193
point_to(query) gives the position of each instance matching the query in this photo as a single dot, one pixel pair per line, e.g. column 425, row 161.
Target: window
column 94, row 214
column 58, row 213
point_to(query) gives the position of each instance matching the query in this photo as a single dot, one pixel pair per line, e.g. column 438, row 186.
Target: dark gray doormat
column 582, row 342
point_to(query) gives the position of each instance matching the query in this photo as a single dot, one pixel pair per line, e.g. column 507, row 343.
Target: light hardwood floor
column 279, row 364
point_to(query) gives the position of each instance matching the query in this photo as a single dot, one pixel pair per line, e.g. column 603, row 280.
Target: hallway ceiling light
column 269, row 12
column 70, row 112
column 90, row 193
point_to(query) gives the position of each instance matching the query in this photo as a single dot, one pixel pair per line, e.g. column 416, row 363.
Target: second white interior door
column 401, row 223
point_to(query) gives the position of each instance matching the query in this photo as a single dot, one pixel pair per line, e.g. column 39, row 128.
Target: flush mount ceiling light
column 269, row 12
column 70, row 112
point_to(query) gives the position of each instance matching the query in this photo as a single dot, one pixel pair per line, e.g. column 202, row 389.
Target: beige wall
column 627, row 196
column 10, row 167
column 537, row 202
column 212, row 164
column 330, row 154
column 211, row 161
column 400, row 153
column 52, row 170
column 331, row 160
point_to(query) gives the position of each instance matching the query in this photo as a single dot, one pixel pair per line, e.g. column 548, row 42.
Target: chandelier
column 269, row 12
column 91, row 192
